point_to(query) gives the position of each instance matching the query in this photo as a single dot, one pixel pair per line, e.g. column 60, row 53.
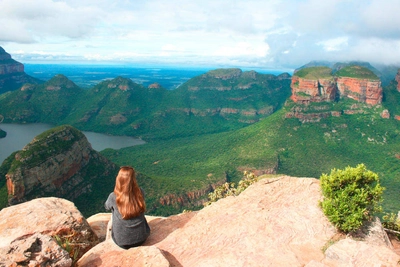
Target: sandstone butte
column 320, row 89
column 274, row 222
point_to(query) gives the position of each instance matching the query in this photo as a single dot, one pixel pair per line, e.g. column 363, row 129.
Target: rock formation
column 309, row 90
column 59, row 162
column 362, row 90
column 398, row 80
column 28, row 233
column 274, row 222
column 315, row 84
column 12, row 75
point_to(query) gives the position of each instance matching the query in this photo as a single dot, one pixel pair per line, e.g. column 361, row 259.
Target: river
column 19, row 135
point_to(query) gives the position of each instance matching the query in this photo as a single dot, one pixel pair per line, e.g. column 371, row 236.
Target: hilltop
column 204, row 104
column 59, row 162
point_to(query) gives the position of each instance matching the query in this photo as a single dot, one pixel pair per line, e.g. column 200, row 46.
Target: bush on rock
column 350, row 197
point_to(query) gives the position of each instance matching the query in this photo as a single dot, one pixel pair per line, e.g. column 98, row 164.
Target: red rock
column 47, row 216
column 307, row 90
column 362, row 90
column 319, row 90
column 385, row 114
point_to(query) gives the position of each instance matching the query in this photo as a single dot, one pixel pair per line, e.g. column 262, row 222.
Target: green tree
column 351, row 197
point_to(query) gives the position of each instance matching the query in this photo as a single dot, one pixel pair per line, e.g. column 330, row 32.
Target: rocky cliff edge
column 275, row 222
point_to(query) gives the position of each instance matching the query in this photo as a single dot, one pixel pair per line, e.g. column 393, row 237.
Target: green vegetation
column 315, row 73
column 289, row 146
column 192, row 145
column 68, row 244
column 355, row 71
column 204, row 104
column 351, row 197
column 230, row 189
column 391, row 221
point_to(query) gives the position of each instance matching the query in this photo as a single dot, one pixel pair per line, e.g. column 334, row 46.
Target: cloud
column 33, row 21
column 263, row 33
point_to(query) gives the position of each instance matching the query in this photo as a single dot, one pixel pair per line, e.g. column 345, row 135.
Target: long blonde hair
column 129, row 197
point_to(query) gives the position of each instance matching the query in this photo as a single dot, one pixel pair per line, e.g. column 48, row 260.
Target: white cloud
column 335, row 44
column 276, row 33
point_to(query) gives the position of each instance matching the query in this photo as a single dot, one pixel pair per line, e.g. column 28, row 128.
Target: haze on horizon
column 251, row 33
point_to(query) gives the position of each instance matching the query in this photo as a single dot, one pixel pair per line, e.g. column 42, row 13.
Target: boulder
column 34, row 250
column 52, row 217
column 109, row 254
column 98, row 223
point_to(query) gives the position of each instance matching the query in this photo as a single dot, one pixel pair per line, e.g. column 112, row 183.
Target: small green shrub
column 351, row 197
column 229, row 189
column 69, row 245
column 392, row 222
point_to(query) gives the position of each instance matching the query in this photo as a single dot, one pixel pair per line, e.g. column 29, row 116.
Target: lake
column 19, row 135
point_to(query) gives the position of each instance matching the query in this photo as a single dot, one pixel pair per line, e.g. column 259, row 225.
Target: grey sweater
column 130, row 232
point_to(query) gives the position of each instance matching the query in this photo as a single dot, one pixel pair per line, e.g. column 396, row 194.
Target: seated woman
column 129, row 225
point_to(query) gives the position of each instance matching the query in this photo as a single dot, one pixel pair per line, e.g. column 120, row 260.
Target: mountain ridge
column 202, row 136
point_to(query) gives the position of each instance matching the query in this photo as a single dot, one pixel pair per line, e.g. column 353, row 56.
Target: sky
column 242, row 33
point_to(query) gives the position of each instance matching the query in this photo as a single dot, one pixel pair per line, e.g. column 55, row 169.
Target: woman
column 129, row 225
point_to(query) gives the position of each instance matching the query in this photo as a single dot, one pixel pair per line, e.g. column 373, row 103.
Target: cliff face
column 308, row 90
column 317, row 85
column 59, row 162
column 8, row 65
column 398, row 80
column 362, row 90
column 12, row 75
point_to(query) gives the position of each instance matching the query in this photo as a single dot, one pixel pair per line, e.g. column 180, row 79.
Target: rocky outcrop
column 28, row 233
column 12, row 75
column 8, row 65
column 309, row 90
column 398, row 80
column 58, row 163
column 275, row 222
column 315, row 84
column 385, row 114
column 362, row 90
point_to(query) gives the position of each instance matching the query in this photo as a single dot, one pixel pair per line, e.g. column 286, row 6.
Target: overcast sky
column 247, row 33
